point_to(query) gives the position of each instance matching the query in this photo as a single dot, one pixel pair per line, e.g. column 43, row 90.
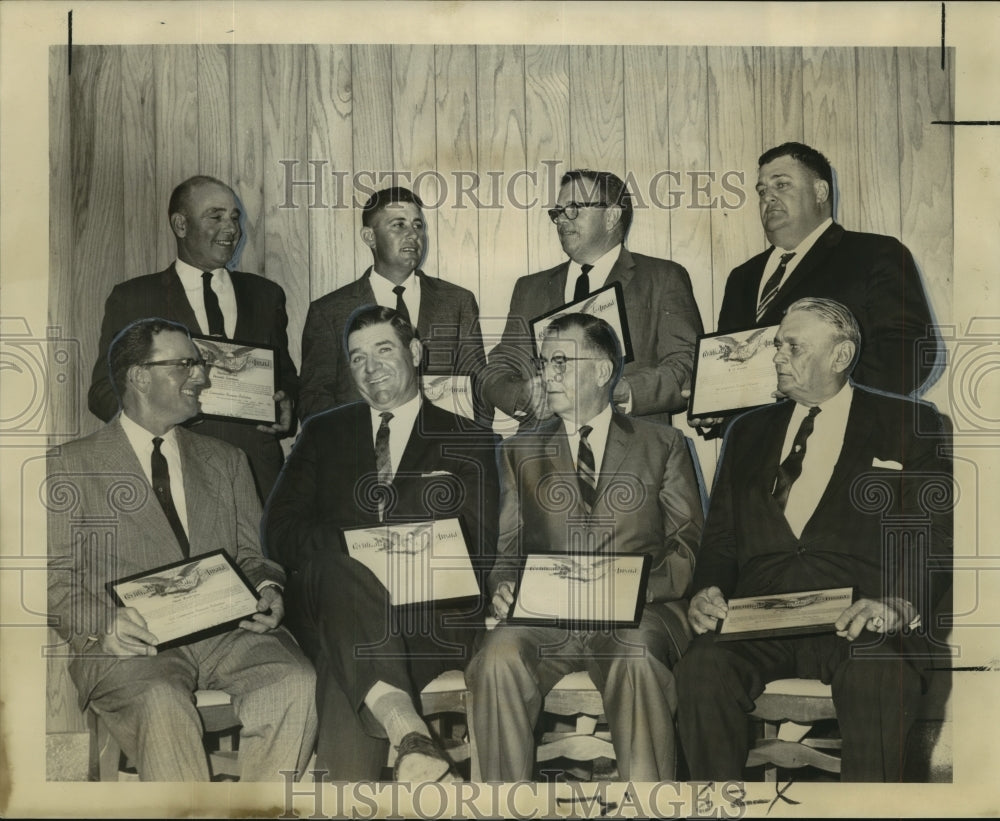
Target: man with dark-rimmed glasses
column 592, row 216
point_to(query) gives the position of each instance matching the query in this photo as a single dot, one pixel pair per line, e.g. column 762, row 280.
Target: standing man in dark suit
column 392, row 458
column 592, row 216
column 594, row 477
column 805, row 499
column 198, row 291
column 445, row 316
column 874, row 276
column 143, row 492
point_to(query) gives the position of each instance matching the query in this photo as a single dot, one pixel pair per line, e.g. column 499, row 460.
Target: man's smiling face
column 207, row 227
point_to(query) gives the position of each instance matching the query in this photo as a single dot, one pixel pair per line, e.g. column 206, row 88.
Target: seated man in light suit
column 629, row 485
column 592, row 217
column 393, row 458
column 804, row 499
column 445, row 315
column 168, row 494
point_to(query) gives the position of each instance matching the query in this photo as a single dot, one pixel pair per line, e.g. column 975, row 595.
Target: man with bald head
column 199, row 291
column 810, row 494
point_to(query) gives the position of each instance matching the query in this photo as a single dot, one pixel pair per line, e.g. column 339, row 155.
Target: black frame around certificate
column 779, row 604
column 454, row 602
column 734, row 341
column 251, row 347
column 644, row 560
column 195, row 635
column 626, row 339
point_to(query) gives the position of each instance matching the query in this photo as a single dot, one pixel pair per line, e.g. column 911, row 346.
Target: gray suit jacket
column 104, row 523
column 448, row 325
column 663, row 324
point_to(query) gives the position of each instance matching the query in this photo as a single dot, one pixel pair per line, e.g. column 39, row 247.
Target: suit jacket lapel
column 176, row 300
column 814, row 257
column 621, row 271
column 246, row 304
column 615, row 451
column 199, row 491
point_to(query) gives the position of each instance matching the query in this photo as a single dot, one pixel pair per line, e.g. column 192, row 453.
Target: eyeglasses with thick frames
column 571, row 210
column 558, row 362
column 187, row 363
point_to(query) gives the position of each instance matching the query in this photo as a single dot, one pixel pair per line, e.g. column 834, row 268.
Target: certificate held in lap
column 582, row 591
column 417, row 562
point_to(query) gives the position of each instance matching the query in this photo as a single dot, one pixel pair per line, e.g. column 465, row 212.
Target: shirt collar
column 599, row 424
column 803, row 247
column 405, row 413
column 602, row 267
column 838, row 403
column 191, row 277
column 141, row 439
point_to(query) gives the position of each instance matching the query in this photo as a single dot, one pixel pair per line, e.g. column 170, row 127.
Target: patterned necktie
column 161, row 486
column 400, row 305
column 383, row 463
column 773, row 284
column 216, row 324
column 791, row 468
column 586, row 472
column 582, row 289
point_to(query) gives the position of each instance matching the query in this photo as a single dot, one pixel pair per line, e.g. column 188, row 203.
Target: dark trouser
column 876, row 700
column 341, row 615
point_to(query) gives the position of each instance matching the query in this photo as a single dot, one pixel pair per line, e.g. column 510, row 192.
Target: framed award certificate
column 450, row 392
column 733, row 372
column 784, row 614
column 606, row 303
column 241, row 380
column 417, row 562
column 582, row 591
column 190, row 599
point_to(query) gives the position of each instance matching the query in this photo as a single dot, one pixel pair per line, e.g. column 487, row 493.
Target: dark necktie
column 582, row 283
column 791, row 468
column 773, row 284
column 586, row 472
column 216, row 324
column 383, row 462
column 400, row 305
column 161, row 486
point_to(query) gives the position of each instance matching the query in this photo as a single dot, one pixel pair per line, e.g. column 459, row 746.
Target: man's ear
column 416, row 351
column 605, row 370
column 138, row 377
column 822, row 189
column 368, row 235
column 612, row 216
column 178, row 224
column 843, row 355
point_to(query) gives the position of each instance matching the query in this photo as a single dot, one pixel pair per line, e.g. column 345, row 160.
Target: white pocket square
column 888, row 464
column 437, row 473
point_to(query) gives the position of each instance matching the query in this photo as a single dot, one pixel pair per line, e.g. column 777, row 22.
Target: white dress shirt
column 822, row 451
column 222, row 285
column 598, row 438
column 400, row 427
column 141, row 441
column 800, row 250
column 597, row 276
column 387, row 299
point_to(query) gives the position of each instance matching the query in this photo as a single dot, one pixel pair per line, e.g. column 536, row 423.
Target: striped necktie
column 586, row 472
column 773, row 284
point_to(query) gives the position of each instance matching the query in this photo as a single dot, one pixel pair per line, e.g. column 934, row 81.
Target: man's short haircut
column 368, row 315
column 182, row 193
column 600, row 337
column 387, row 196
column 834, row 314
column 807, row 155
column 609, row 188
column 132, row 346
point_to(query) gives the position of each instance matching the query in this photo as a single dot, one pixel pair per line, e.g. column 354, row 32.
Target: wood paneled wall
column 132, row 121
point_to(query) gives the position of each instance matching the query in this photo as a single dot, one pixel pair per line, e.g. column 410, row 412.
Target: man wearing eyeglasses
column 592, row 216
column 199, row 291
column 141, row 493
column 594, row 477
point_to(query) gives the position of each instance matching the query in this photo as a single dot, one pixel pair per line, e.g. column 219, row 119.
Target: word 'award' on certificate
column 190, row 599
column 784, row 614
column 582, row 591
column 241, row 380
column 733, row 372
column 418, row 561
